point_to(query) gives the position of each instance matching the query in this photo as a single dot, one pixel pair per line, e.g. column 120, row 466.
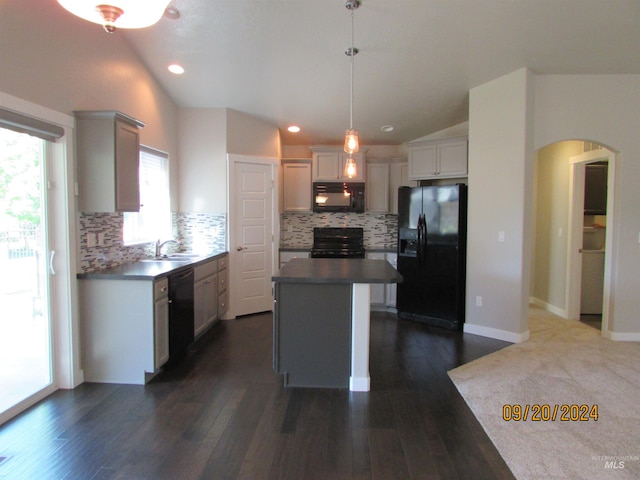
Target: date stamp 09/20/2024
column 516, row 412
column 549, row 413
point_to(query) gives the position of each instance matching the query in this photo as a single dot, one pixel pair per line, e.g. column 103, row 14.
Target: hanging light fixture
column 112, row 14
column 351, row 142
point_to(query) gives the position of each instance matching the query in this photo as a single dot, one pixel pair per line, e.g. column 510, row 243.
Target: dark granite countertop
column 337, row 270
column 144, row 270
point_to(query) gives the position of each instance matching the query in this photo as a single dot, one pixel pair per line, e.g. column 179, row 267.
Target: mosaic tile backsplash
column 207, row 232
column 296, row 229
column 196, row 232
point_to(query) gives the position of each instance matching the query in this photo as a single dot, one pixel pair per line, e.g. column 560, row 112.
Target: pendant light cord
column 353, row 54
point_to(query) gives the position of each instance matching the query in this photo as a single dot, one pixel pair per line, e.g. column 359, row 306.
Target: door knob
column 239, row 249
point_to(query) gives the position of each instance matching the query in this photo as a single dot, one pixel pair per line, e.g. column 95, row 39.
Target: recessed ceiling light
column 293, row 128
column 175, row 68
column 387, row 128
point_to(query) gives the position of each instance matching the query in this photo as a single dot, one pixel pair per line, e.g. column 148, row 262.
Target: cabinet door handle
column 169, row 301
column 163, row 289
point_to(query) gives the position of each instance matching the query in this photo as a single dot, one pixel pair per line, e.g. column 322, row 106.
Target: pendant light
column 112, row 14
column 351, row 141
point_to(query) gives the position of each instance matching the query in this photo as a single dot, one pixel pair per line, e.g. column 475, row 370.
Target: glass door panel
column 25, row 328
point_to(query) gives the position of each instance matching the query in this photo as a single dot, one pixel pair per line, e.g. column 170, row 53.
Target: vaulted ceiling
column 283, row 60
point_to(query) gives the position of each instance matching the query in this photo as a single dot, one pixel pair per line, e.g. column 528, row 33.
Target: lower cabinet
column 124, row 329
column 161, row 322
column 205, row 296
column 210, row 293
column 384, row 294
column 377, row 289
column 223, row 282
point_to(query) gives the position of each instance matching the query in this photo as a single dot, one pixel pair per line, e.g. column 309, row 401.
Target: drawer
column 222, row 262
column 222, row 303
column 223, row 279
column 204, row 270
column 161, row 288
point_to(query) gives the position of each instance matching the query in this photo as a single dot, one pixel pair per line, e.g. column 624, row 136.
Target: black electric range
column 338, row 242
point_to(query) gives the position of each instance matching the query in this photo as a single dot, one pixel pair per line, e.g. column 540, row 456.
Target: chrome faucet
column 160, row 245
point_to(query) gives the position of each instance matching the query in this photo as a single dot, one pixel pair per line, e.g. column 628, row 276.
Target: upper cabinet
column 442, row 158
column 296, row 185
column 108, row 152
column 328, row 164
column 377, row 190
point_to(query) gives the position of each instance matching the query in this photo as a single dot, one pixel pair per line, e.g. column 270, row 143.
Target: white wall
column 510, row 118
column 203, row 153
column 500, row 166
column 247, row 135
column 56, row 60
column 552, row 223
column 603, row 108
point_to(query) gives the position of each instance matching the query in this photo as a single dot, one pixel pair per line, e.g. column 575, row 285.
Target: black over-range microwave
column 338, row 197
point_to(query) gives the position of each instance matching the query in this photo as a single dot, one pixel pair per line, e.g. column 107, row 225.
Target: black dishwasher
column 181, row 332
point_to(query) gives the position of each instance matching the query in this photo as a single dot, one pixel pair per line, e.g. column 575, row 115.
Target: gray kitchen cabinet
column 377, row 290
column 223, row 284
column 296, row 186
column 391, row 289
column 125, row 329
column 161, row 322
column 328, row 164
column 108, row 151
column 443, row 158
column 377, row 190
column 205, row 296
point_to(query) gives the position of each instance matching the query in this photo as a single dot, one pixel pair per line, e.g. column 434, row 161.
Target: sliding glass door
column 25, row 326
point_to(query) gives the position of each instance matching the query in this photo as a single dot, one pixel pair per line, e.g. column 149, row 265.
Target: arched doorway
column 559, row 215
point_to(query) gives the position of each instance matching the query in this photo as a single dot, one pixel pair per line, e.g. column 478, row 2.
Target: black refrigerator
column 432, row 232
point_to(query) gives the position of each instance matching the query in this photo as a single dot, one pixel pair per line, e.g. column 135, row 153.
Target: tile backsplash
column 196, row 232
column 296, row 229
column 207, row 232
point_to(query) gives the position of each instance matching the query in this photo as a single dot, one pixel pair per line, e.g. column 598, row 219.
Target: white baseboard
column 561, row 312
column 622, row 336
column 496, row 333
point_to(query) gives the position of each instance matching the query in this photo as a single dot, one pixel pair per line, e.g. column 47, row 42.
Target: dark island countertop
column 337, row 270
column 147, row 270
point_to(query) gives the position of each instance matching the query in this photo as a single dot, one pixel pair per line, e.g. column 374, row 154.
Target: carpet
column 563, row 363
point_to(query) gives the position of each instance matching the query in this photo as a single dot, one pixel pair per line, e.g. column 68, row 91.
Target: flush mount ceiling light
column 351, row 141
column 113, row 14
column 293, row 128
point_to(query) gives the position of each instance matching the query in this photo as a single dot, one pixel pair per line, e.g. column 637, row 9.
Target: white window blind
column 153, row 222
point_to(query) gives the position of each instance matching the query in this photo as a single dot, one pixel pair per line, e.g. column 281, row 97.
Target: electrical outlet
column 100, row 239
column 501, row 236
column 478, row 301
column 91, row 240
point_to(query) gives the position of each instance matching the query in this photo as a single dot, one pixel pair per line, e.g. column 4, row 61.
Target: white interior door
column 576, row 215
column 251, row 239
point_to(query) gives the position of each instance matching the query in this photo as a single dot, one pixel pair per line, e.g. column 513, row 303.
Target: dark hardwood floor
column 223, row 413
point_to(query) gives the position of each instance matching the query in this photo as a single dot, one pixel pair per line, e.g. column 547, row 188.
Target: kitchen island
column 321, row 320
